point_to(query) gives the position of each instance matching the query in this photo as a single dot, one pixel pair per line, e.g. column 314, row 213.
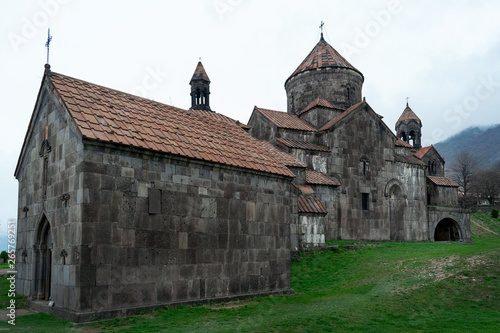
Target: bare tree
column 486, row 184
column 462, row 169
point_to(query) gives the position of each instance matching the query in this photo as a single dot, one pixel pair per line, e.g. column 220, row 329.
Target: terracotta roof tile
column 310, row 204
column 319, row 178
column 321, row 102
column 302, row 145
column 341, row 116
column 422, row 151
column 408, row 115
column 285, row 158
column 323, row 55
column 442, row 181
column 285, row 120
column 129, row 120
column 305, row 189
column 401, row 143
column 199, row 73
column 408, row 159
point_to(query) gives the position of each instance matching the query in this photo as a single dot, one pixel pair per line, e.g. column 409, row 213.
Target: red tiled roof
column 285, row 120
column 112, row 116
column 319, row 178
column 442, row 181
column 341, row 116
column 285, row 158
column 219, row 116
column 323, row 55
column 306, row 189
column 401, row 143
column 321, row 102
column 302, row 145
column 422, row 151
column 408, row 159
column 408, row 115
column 310, row 204
column 199, row 73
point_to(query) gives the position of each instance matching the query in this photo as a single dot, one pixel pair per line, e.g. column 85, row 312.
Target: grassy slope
column 390, row 287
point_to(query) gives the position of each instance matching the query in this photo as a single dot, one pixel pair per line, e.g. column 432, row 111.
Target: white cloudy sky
column 444, row 55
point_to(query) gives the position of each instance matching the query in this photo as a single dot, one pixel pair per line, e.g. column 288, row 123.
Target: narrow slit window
column 364, row 201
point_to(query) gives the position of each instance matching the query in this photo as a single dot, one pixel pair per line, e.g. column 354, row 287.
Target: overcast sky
column 443, row 55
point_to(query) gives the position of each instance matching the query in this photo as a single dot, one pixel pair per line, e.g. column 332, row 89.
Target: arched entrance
column 43, row 266
column 396, row 212
column 447, row 230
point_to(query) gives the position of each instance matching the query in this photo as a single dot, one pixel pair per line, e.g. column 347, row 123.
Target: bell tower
column 200, row 89
column 409, row 127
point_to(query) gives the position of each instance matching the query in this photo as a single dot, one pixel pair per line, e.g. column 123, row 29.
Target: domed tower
column 200, row 89
column 409, row 127
column 323, row 73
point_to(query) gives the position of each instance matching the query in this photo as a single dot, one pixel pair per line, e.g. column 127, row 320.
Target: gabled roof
column 408, row 159
column 200, row 74
column 302, row 145
column 319, row 178
column 421, row 152
column 112, row 116
column 285, row 120
column 285, row 158
column 323, row 55
column 341, row 116
column 321, row 102
column 408, row 115
column 442, row 181
column 401, row 143
column 305, row 189
column 310, row 204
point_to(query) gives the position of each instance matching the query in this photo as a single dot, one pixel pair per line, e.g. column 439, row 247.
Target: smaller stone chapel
column 126, row 203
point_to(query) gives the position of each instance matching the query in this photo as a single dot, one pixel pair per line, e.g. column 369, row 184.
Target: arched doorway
column 447, row 230
column 43, row 255
column 396, row 212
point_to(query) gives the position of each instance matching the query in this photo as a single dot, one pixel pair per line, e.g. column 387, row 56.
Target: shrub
column 494, row 213
column 4, row 255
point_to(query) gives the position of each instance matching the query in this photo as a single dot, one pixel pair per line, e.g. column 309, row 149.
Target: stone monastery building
column 127, row 203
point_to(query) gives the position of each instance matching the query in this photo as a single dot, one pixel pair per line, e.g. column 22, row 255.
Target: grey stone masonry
column 106, row 228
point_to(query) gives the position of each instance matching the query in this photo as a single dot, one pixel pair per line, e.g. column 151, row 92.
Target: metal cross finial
column 321, row 27
column 47, row 44
column 407, row 98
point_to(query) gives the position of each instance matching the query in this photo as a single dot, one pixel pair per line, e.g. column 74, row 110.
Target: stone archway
column 447, row 230
column 43, row 263
column 396, row 213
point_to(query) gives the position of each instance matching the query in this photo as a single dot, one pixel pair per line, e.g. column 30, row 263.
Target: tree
column 486, row 184
column 462, row 170
column 4, row 256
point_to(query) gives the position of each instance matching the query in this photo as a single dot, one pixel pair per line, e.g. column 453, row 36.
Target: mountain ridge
column 483, row 142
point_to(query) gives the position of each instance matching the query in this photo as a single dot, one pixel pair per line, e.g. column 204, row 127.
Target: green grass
column 381, row 287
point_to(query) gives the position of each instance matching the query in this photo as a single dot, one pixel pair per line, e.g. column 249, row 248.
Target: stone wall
column 312, row 231
column 442, row 195
column 319, row 116
column 51, row 199
column 363, row 159
column 328, row 83
column 460, row 217
column 159, row 230
column 261, row 128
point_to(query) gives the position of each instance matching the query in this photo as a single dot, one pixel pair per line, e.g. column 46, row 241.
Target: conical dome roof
column 199, row 73
column 323, row 55
column 408, row 115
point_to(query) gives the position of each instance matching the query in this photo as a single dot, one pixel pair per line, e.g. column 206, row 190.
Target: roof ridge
column 317, row 102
